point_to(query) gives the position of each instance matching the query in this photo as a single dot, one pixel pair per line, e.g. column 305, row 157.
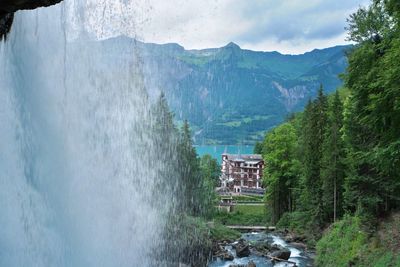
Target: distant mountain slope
column 231, row 95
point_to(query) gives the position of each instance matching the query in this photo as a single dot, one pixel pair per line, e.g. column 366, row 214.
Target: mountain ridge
column 232, row 95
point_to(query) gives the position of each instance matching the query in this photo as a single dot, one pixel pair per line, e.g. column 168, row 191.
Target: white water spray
column 77, row 180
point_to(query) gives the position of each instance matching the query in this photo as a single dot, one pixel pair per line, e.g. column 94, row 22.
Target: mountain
column 232, row 95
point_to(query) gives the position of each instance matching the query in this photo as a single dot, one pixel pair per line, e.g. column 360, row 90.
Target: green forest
column 333, row 171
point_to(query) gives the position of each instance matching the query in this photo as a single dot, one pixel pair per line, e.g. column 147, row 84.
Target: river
column 298, row 256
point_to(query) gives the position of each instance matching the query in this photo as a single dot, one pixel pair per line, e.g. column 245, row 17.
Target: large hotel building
column 242, row 173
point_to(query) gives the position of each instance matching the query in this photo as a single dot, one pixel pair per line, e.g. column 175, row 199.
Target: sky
column 287, row 26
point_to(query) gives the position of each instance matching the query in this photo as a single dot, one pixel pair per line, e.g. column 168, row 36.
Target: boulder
column 251, row 264
column 262, row 246
column 283, row 254
column 226, row 256
column 242, row 249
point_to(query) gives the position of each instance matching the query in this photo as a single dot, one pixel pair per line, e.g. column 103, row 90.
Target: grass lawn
column 244, row 215
column 220, row 232
column 244, row 198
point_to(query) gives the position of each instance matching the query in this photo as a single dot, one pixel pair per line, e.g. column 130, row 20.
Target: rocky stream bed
column 261, row 250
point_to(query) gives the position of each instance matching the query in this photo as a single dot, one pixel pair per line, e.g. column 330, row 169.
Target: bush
column 245, row 198
column 243, row 215
column 347, row 243
column 220, row 232
column 187, row 240
column 299, row 222
column 342, row 244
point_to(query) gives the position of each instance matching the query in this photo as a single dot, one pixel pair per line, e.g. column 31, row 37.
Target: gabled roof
column 248, row 158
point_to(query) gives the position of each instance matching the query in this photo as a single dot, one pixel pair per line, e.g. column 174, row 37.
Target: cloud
column 291, row 20
column 288, row 26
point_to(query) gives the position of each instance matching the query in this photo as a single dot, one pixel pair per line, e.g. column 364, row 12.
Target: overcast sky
column 287, row 26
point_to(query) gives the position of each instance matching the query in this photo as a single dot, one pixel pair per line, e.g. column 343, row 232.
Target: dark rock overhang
column 8, row 7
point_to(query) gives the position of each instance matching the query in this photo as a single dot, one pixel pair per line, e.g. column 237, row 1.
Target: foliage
column 258, row 148
column 187, row 240
column 195, row 178
column 191, row 182
column 281, row 175
column 348, row 242
column 314, row 129
column 342, row 245
column 347, row 143
column 370, row 24
column 299, row 222
column 247, row 198
column 197, row 186
column 243, row 215
column 333, row 161
column 220, row 232
column 165, row 137
column 230, row 94
column 372, row 116
column 210, row 169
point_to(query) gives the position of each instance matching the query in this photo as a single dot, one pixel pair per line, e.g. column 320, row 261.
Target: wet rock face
column 5, row 23
column 8, row 7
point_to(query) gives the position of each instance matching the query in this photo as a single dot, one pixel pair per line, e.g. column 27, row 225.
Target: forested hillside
column 230, row 95
column 339, row 160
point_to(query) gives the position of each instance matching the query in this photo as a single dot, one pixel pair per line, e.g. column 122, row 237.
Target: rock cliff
column 8, row 7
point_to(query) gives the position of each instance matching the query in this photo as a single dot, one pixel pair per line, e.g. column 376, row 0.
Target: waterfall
column 78, row 183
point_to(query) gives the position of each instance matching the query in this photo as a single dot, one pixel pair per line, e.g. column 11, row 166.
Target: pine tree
column 165, row 138
column 315, row 124
column 333, row 160
column 197, row 191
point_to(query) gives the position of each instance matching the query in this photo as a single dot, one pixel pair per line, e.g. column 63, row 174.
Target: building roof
column 249, row 158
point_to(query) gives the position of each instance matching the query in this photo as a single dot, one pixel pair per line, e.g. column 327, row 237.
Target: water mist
column 79, row 185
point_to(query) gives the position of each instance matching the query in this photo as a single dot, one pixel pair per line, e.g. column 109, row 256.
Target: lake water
column 217, row 150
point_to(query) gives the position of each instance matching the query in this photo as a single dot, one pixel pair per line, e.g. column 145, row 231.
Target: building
column 242, row 173
column 226, row 204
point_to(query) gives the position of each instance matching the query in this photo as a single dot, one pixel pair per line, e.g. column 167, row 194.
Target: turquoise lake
column 216, row 150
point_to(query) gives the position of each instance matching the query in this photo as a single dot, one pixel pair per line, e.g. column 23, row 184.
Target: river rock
column 250, row 264
column 242, row 249
column 283, row 254
column 262, row 247
column 292, row 238
column 298, row 245
column 226, row 256
column 219, row 251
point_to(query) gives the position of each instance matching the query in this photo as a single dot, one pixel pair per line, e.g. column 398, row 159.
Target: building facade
column 242, row 173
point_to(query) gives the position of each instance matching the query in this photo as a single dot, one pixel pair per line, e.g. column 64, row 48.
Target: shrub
column 342, row 244
column 220, row 232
